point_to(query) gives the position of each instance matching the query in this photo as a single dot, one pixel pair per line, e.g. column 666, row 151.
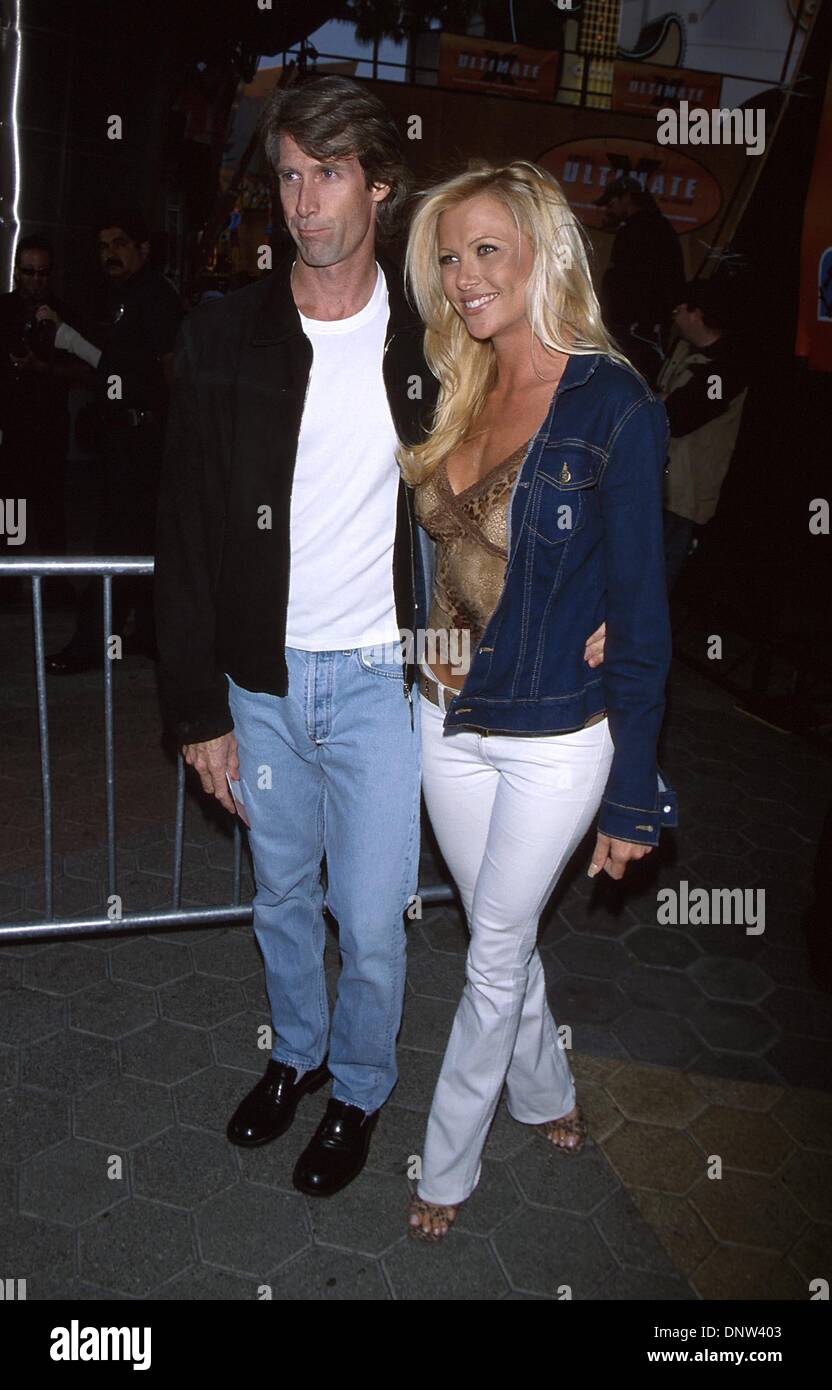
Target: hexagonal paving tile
column 370, row 1215
column 43, row 1253
column 636, row 1286
column 165, row 1051
column 208, row 1099
column 149, row 961
column 739, row 1273
column 680, row 1229
column 136, row 1247
column 735, row 1027
column 251, row 1229
column 658, row 987
column 655, row 1096
column 656, row 1037
column 398, row 1136
column 630, row 1237
column 543, row 1251
column 753, row 1143
column 244, row 1041
column 206, row 1284
column 749, row 1210
column 317, row 1275
column 229, row 955
column 426, row 1024
column 8, row 1191
column 71, row 1183
column 743, row 1095
column 808, row 1176
column 660, row 1160
column 577, row 999
column 444, row 930
column 435, row 974
column 418, row 1073
column 123, row 1112
column 68, row 1062
column 813, row 1253
column 112, row 1010
column 662, row 946
column 31, row 1122
column 801, row 1061
column 805, row 1012
column 465, row 1270
column 29, row 1014
column 552, row 1179
column 807, row 1116
column 182, row 1166
column 602, row 1116
column 64, row 968
column 206, row 887
column 203, row 1000
column 495, row 1200
column 8, row 1066
column 740, row 981
column 593, row 957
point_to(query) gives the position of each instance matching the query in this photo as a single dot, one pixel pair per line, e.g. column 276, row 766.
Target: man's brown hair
column 332, row 118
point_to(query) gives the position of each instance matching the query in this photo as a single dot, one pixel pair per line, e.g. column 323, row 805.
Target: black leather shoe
column 269, row 1109
column 70, row 661
column 337, row 1151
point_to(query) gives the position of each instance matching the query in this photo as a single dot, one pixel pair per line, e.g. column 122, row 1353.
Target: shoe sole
column 276, row 1134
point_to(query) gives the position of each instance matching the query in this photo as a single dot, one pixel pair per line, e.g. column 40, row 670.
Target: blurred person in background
column 35, row 379
column 132, row 380
column 645, row 278
column 704, row 384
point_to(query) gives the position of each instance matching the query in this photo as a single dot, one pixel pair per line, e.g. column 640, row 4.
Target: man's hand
column 594, row 649
column 614, row 856
column 212, row 760
column 44, row 312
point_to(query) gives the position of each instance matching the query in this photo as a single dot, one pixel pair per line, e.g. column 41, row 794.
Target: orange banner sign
column 501, row 69
column 686, row 192
column 641, row 88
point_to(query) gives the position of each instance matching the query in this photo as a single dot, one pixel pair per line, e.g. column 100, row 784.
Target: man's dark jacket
column 241, row 371
column 646, row 277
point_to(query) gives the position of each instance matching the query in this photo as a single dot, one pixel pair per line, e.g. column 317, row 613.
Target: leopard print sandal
column 419, row 1208
column 575, row 1127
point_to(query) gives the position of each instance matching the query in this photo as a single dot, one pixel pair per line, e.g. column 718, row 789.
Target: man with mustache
column 287, row 567
column 133, row 364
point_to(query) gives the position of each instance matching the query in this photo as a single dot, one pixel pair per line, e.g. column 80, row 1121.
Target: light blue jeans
column 332, row 769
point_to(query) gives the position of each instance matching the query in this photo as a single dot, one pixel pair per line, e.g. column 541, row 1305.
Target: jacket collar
column 278, row 317
column 579, row 369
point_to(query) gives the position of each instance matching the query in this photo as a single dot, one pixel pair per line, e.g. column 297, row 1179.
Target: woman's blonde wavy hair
column 562, row 305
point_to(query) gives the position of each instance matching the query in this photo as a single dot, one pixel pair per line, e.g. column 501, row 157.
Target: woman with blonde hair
column 540, row 488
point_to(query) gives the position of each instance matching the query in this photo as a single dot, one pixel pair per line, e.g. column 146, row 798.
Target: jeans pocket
column 383, row 659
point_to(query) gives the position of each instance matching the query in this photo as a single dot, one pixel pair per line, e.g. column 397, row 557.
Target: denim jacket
column 585, row 546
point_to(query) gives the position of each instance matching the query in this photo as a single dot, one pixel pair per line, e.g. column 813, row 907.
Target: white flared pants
column 507, row 813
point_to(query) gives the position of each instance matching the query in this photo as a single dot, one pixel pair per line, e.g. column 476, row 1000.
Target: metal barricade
column 49, row 926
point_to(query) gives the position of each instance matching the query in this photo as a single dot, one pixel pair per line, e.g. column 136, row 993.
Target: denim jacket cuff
column 641, row 827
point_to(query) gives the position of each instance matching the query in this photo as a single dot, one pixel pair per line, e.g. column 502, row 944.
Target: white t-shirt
column 343, row 511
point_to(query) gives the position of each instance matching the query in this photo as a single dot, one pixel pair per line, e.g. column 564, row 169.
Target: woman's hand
column 614, row 856
column 594, row 649
column 44, row 312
